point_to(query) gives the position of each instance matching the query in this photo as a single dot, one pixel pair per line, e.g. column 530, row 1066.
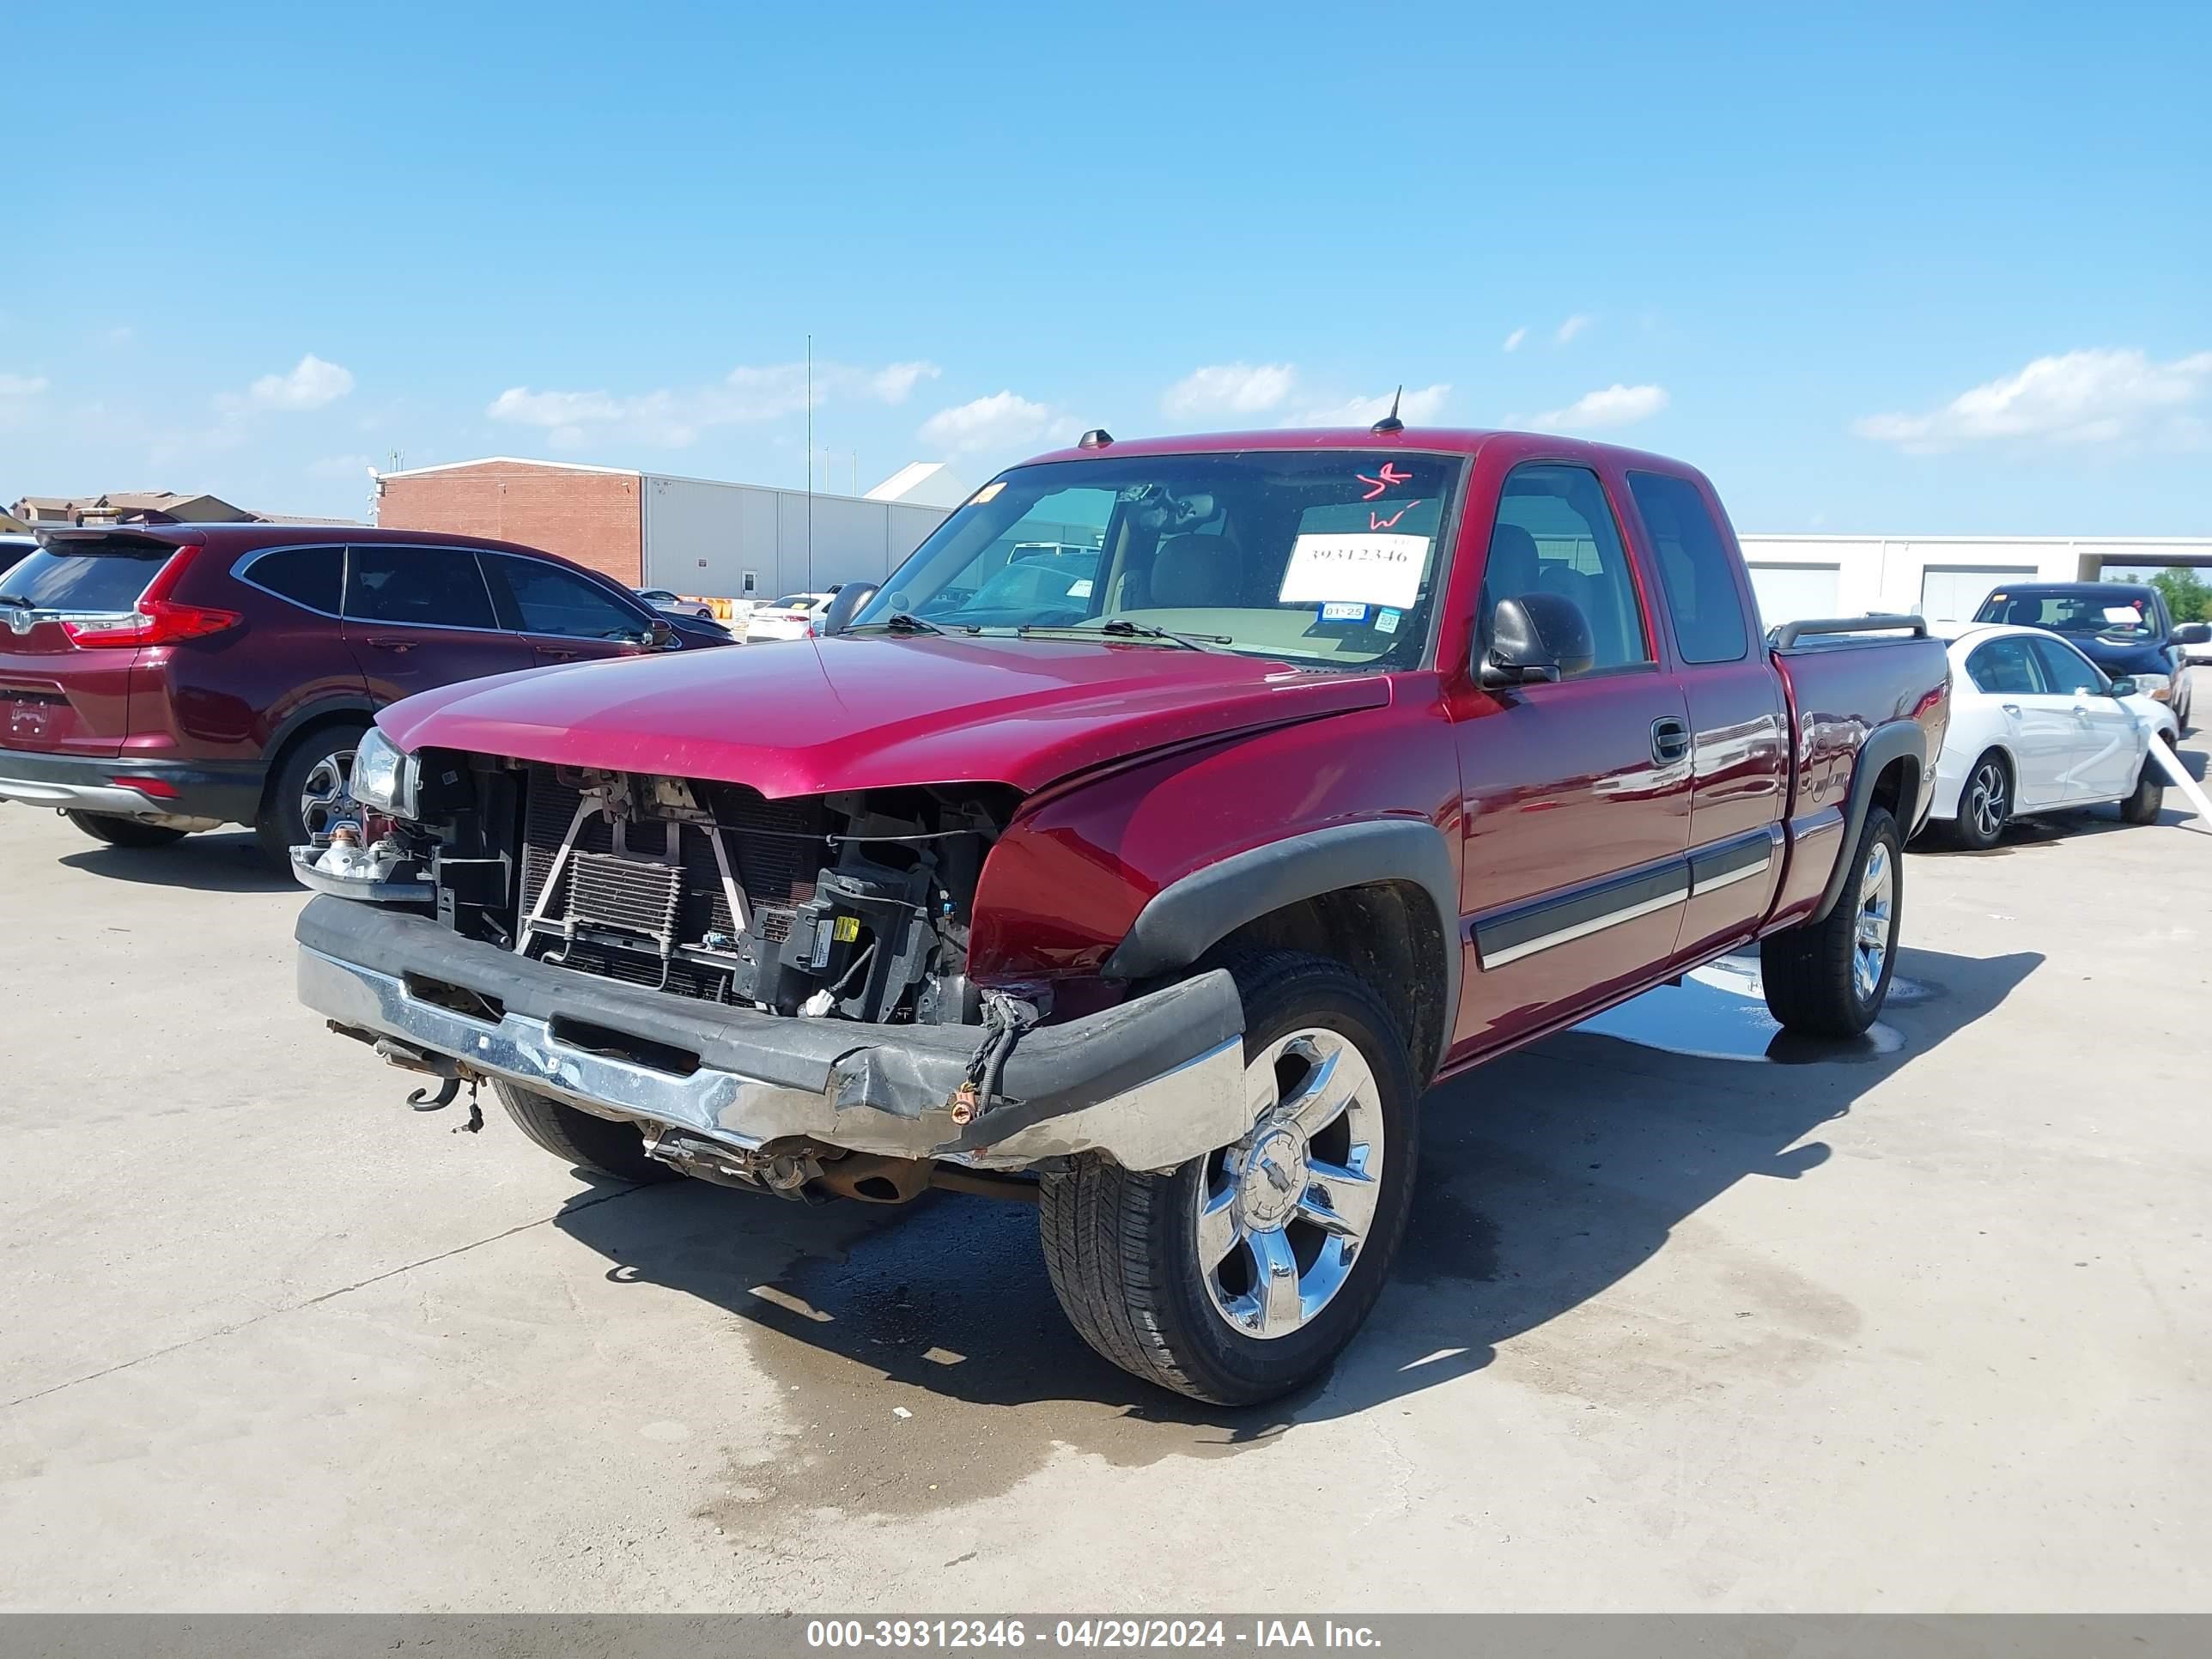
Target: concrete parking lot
column 1688, row 1320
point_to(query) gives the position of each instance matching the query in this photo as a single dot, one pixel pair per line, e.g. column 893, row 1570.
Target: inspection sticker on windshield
column 1351, row 611
column 1373, row 570
column 1079, row 590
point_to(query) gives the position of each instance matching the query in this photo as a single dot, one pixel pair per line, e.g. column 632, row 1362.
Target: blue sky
column 1928, row 269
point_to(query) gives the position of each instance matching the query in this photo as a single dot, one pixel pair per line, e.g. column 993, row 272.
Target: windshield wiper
column 905, row 621
column 16, row 599
column 1122, row 628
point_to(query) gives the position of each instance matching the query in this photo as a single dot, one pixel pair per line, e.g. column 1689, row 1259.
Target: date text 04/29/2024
column 1087, row 1633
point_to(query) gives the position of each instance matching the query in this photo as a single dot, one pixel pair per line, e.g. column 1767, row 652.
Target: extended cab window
column 543, row 598
column 1555, row 534
column 417, row 587
column 1696, row 568
column 312, row 576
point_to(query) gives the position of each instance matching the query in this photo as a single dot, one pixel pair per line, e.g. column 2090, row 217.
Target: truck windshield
column 1327, row 557
column 2119, row 613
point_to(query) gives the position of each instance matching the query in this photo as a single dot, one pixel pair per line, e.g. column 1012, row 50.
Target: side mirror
column 2122, row 687
column 659, row 634
column 1536, row 637
column 2192, row 634
column 850, row 597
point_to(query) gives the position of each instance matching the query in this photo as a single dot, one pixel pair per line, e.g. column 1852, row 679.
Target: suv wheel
column 124, row 832
column 1240, row 1275
column 310, row 790
column 1829, row 978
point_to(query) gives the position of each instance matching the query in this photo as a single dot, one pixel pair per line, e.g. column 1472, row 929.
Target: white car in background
column 795, row 617
column 2037, row 727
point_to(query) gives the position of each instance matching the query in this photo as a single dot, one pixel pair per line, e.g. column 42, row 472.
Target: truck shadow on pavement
column 212, row 863
column 925, row 1362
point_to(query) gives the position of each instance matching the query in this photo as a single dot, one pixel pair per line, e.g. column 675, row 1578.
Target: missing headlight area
column 855, row 906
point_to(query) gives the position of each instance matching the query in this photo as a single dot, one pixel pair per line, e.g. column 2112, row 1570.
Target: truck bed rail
column 1786, row 635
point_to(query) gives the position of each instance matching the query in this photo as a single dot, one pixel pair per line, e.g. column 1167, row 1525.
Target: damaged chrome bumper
column 1151, row 1083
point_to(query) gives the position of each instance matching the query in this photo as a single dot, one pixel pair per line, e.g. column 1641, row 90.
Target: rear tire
column 2148, row 800
column 1984, row 804
column 1823, row 978
column 283, row 824
column 124, row 832
column 577, row 1137
column 1123, row 1246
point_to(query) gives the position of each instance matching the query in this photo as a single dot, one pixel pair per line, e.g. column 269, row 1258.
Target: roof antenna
column 1390, row 423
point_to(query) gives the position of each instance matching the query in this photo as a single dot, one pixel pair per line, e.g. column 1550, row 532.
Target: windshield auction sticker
column 1371, row 569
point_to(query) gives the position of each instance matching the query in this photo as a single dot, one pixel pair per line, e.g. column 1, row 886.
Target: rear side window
column 1695, row 567
column 95, row 578
column 544, row 598
column 1555, row 534
column 417, row 587
column 312, row 576
column 2004, row 668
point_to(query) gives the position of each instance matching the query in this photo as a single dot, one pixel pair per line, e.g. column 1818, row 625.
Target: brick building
column 587, row 514
column 694, row 535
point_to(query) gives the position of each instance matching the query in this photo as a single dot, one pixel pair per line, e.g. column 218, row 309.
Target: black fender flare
column 1893, row 741
column 1188, row 917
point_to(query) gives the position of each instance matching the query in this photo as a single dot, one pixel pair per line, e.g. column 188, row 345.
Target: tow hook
column 449, row 1076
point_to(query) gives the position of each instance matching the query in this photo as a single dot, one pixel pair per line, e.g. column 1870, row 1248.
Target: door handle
column 1670, row 741
column 389, row 642
column 2011, row 708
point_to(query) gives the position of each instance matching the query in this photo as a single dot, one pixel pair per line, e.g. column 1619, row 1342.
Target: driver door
column 565, row 617
column 2104, row 747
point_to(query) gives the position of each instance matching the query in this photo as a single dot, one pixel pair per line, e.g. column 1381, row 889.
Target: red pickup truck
column 1143, row 849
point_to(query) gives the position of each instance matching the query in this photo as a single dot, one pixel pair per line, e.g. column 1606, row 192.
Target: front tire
column 2148, row 800
column 124, row 832
column 577, row 1137
column 1242, row 1275
column 1829, row 978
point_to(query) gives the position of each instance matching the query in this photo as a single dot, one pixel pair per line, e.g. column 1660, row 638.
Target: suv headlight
column 2159, row 686
column 384, row 776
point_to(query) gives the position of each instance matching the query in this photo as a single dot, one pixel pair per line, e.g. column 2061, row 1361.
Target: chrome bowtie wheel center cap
column 1274, row 1179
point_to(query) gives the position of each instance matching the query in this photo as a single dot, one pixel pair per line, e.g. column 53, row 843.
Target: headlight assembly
column 383, row 776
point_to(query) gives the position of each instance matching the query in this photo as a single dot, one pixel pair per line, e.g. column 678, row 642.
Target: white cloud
column 2095, row 397
column 310, row 385
column 673, row 418
column 1230, row 389
column 1421, row 403
column 1001, row 421
column 1513, row 340
column 1574, row 325
column 17, row 393
column 1613, row 406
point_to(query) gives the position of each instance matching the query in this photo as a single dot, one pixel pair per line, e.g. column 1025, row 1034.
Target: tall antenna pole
column 810, row 462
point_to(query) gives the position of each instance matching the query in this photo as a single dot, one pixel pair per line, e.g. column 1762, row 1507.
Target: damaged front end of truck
column 775, row 992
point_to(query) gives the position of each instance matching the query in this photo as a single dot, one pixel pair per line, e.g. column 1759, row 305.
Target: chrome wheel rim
column 1284, row 1213
column 326, row 797
column 1877, row 908
column 1985, row 800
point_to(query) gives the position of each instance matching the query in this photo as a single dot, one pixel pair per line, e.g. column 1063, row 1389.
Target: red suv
column 157, row 679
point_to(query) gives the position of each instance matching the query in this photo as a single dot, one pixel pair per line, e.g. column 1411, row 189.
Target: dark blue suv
column 2124, row 627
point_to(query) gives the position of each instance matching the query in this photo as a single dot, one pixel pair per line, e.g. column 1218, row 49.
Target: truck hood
column 807, row 717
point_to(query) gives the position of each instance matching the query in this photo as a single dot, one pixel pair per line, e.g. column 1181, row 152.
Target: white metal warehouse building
column 1942, row 578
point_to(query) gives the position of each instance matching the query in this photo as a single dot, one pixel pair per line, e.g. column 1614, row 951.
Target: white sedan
column 795, row 617
column 2036, row 727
